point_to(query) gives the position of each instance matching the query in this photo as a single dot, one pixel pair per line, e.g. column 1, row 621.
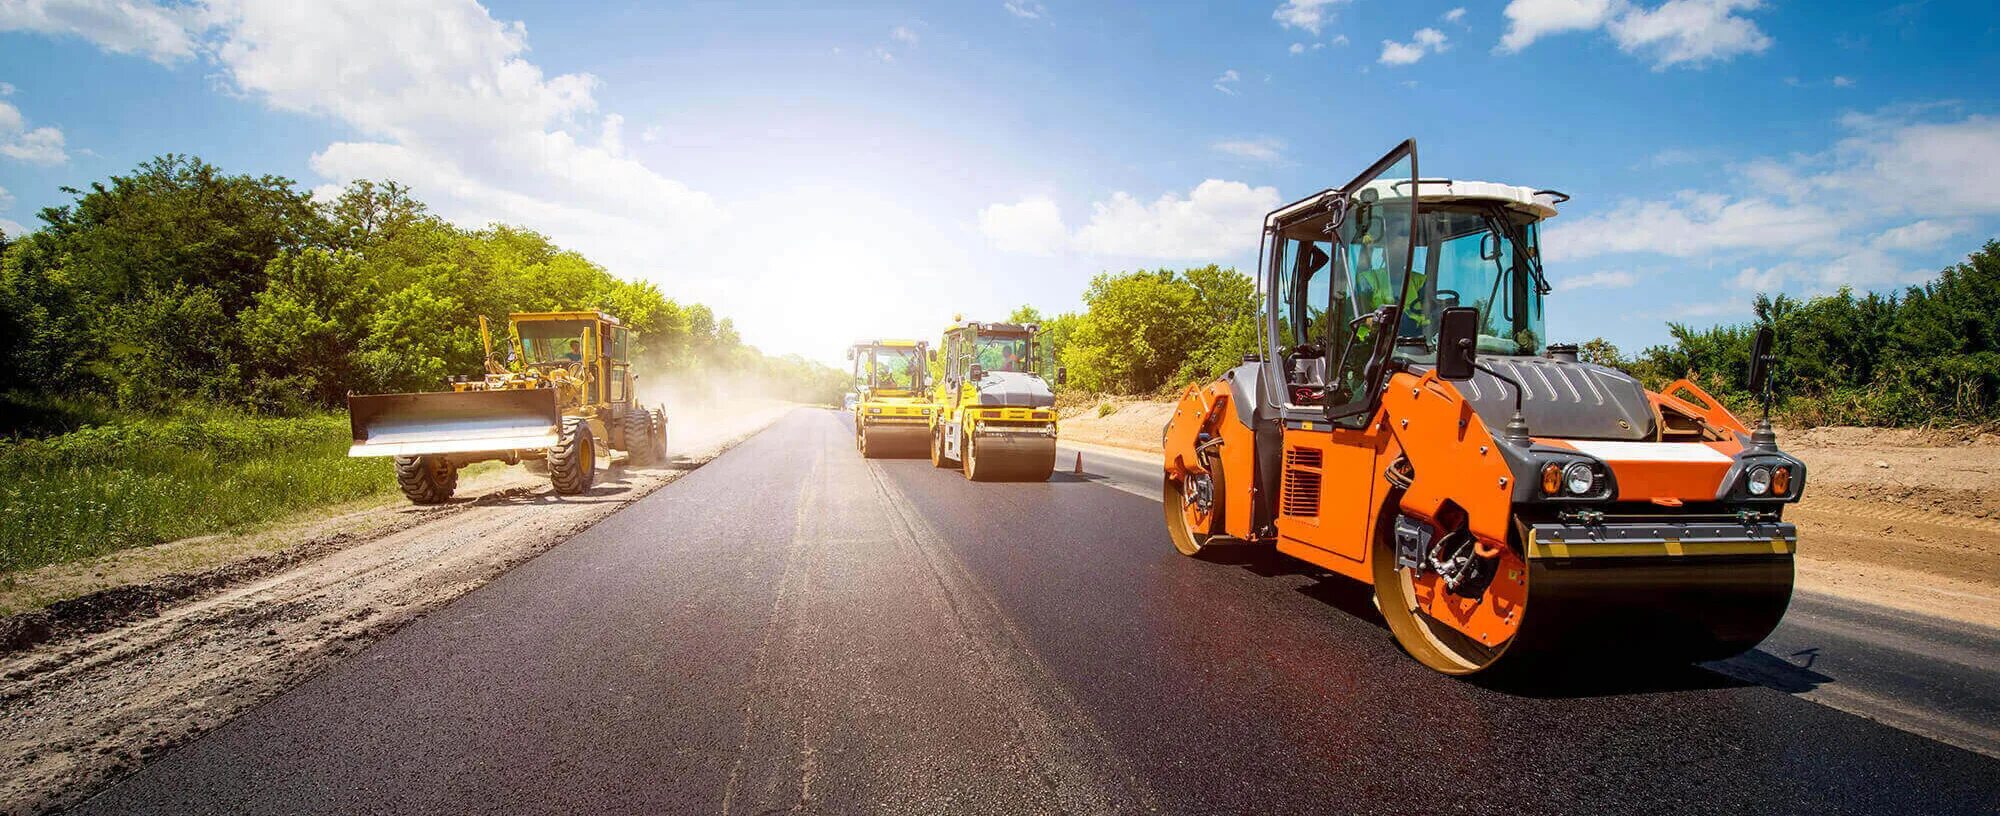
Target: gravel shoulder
column 184, row 636
column 1907, row 519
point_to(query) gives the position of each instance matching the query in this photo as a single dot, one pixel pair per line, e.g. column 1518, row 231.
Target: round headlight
column 1759, row 481
column 1578, row 478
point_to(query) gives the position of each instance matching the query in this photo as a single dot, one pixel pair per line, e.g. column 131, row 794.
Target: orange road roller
column 1408, row 426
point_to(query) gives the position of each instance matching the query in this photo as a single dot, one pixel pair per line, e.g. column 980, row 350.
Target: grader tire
column 426, row 479
column 638, row 438
column 573, row 460
column 656, row 439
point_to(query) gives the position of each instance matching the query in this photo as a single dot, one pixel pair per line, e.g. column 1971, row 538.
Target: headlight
column 1578, row 478
column 1759, row 482
column 874, row 410
column 926, row 412
column 1781, row 481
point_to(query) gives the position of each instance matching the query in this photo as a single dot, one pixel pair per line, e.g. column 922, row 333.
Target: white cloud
column 1025, row 9
column 1310, row 15
column 1530, row 20
column 42, row 145
column 1454, row 15
column 1033, row 226
column 1298, row 48
column 1880, row 207
column 1842, row 82
column 1690, row 31
column 161, row 33
column 1676, row 32
column 1602, row 279
column 6, row 89
column 1228, row 78
column 1693, row 224
column 447, row 101
column 1216, row 220
column 6, row 198
column 1922, row 235
column 13, row 229
column 903, row 34
column 652, row 133
column 1261, row 150
column 1425, row 41
column 882, row 54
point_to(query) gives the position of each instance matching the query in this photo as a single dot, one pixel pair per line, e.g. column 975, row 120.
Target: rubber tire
column 638, row 438
column 429, row 479
column 938, row 459
column 656, row 439
column 573, row 461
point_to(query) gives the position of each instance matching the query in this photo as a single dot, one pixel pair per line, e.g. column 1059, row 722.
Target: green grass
column 140, row 481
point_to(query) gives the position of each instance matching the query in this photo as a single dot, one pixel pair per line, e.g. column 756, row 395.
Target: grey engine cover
column 1561, row 399
column 1013, row 389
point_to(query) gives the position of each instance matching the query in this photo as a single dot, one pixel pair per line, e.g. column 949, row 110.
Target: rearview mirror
column 1760, row 360
column 1062, row 375
column 1458, row 343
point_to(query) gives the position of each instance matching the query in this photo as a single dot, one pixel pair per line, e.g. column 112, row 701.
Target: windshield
column 552, row 341
column 1003, row 352
column 1482, row 256
column 889, row 368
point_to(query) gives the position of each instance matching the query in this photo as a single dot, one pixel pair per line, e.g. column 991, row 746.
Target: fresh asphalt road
column 792, row 627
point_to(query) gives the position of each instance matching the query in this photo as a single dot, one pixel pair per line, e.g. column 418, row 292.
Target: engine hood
column 1561, row 399
column 1013, row 389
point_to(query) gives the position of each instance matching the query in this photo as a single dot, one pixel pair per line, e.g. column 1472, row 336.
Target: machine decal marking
column 1648, row 451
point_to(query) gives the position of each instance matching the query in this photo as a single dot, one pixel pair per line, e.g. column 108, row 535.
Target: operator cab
column 1341, row 264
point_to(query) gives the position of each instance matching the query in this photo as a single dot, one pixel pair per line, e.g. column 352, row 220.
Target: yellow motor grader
column 892, row 414
column 567, row 388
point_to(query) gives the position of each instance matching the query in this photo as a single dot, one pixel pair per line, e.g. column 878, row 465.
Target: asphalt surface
column 794, row 628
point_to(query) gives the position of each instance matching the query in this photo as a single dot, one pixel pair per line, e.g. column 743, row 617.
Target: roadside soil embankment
column 157, row 645
column 1906, row 519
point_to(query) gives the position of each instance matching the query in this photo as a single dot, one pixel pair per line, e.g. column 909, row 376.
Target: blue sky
column 824, row 171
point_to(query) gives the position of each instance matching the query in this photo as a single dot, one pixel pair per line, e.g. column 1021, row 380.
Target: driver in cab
column 575, row 354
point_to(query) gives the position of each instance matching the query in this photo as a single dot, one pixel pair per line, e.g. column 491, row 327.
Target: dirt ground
column 159, row 645
column 1906, row 519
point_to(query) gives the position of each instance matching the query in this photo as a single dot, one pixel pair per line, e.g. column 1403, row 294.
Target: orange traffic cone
column 1079, row 463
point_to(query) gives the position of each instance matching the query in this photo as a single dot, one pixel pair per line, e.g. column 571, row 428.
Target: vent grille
column 1300, row 497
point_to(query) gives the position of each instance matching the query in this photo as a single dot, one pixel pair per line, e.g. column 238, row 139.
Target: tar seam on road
column 789, row 584
column 1077, row 756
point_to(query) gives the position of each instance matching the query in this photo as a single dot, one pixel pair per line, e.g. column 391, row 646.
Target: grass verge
column 142, row 481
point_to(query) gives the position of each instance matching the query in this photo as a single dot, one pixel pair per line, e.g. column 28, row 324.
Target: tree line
column 179, row 282
column 1927, row 354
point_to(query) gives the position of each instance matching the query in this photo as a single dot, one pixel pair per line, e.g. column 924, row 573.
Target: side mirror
column 850, row 352
column 976, row 373
column 934, row 356
column 1458, row 343
column 1760, row 360
column 1489, row 247
column 1062, row 375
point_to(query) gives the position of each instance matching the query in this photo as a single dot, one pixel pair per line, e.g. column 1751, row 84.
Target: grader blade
column 453, row 422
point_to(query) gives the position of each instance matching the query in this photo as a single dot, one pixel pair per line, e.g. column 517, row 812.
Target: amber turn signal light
column 1781, row 481
column 1552, row 475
